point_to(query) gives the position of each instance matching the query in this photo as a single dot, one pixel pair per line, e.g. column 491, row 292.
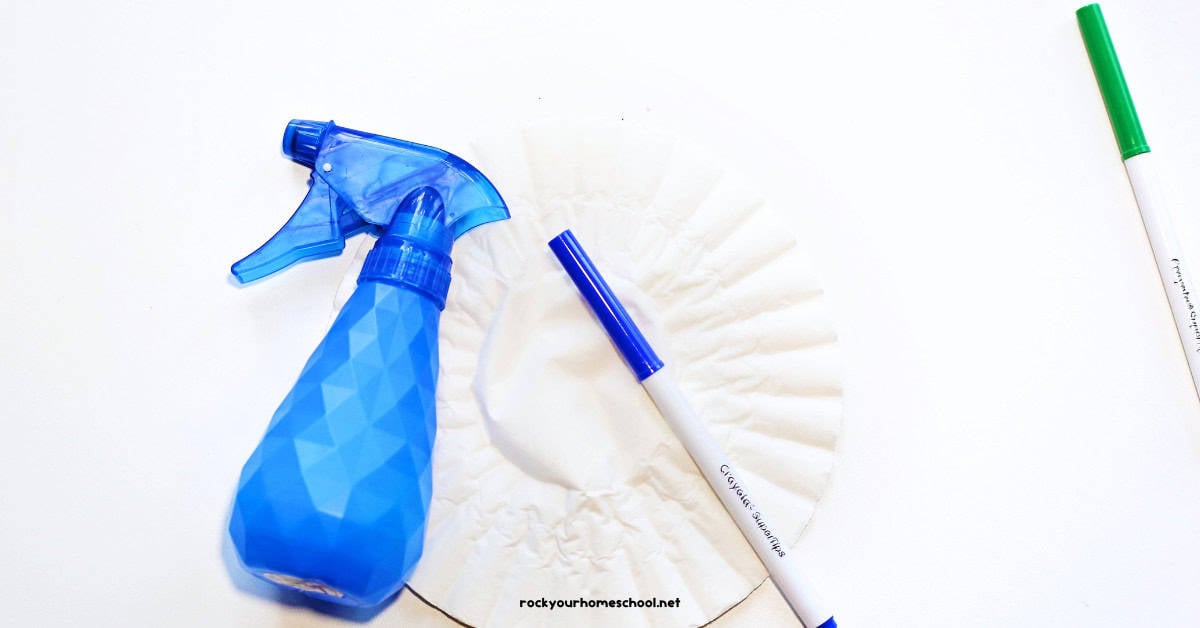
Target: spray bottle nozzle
column 357, row 184
column 302, row 141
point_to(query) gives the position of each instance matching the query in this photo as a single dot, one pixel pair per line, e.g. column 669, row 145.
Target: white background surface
column 1022, row 442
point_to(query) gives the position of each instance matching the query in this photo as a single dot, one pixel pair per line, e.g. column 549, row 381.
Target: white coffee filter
column 554, row 476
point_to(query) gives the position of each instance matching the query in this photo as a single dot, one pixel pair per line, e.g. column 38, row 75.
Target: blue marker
column 724, row 478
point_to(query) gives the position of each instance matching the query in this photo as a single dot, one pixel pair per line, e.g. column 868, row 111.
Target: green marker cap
column 1113, row 88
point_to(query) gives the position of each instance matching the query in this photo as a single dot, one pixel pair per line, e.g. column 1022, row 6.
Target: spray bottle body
column 333, row 501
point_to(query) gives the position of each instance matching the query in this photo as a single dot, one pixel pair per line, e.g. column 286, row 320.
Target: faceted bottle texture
column 334, row 499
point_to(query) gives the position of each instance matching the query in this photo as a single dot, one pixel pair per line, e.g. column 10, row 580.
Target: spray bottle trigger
column 318, row 228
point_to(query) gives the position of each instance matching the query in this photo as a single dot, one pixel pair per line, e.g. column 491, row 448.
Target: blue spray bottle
column 333, row 500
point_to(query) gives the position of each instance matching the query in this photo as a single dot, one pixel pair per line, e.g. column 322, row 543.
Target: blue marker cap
column 623, row 331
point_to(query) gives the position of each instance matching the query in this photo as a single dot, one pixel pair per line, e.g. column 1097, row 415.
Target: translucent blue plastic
column 333, row 501
column 358, row 181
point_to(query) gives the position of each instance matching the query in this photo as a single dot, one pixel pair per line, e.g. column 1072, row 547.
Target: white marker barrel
column 1174, row 271
column 729, row 485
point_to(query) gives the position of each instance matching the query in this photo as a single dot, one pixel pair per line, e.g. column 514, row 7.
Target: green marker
column 1172, row 269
